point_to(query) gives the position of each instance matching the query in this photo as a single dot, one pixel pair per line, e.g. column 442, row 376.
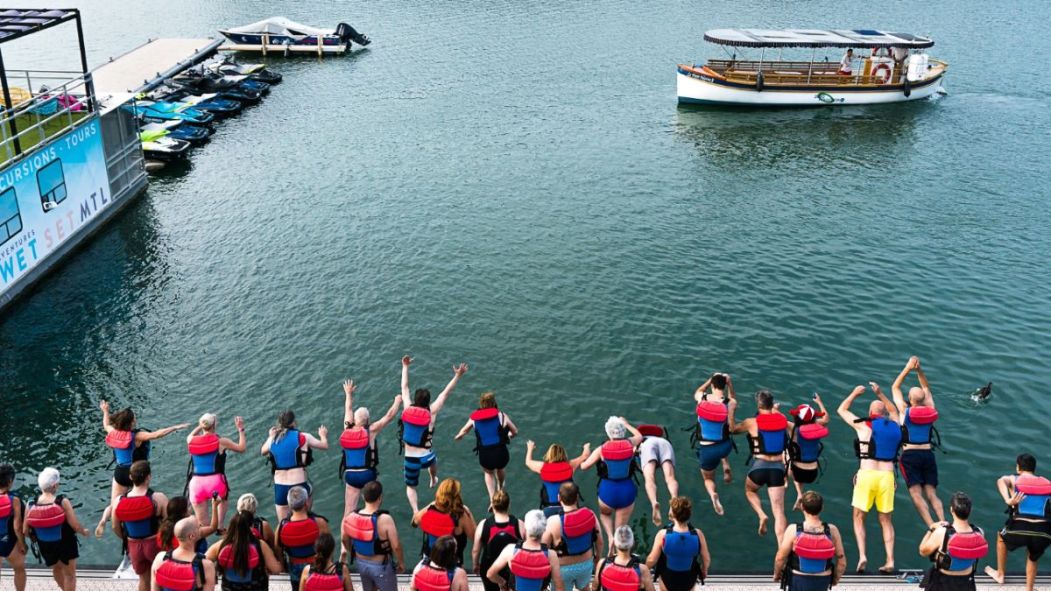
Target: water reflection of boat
column 897, row 70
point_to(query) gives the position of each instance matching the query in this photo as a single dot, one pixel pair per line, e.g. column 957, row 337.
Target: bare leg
column 669, row 478
column 433, row 471
column 798, row 505
column 144, row 581
column 501, row 478
column 414, row 501
column 59, row 574
column 916, row 493
column 622, row 516
column 751, row 492
column 997, row 574
column 200, row 511
column 1030, row 573
column 71, row 575
column 777, row 507
column 223, row 505
column 649, row 475
column 859, row 535
column 17, row 560
column 709, row 484
column 115, row 491
column 490, row 484
column 887, row 525
column 936, row 503
column 606, row 517
column 728, row 475
column 350, row 499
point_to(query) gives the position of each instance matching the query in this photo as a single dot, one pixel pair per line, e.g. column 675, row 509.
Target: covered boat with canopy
column 870, row 66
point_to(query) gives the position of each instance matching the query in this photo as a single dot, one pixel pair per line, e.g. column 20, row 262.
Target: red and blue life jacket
column 231, row 574
column 137, row 515
column 616, row 577
column 489, row 429
column 806, row 443
column 618, row 460
column 358, row 451
column 179, row 575
column 530, row 568
column 206, row 457
column 918, row 425
column 125, row 452
column 772, row 437
column 416, row 426
column 884, row 443
column 961, row 551
column 7, row 513
column 1037, row 491
column 712, row 421
column 332, row 581
column 298, row 538
column 812, row 553
column 578, row 532
column 680, row 551
column 363, row 531
column 47, row 520
column 287, row 452
column 432, row 578
column 435, row 524
column 552, row 475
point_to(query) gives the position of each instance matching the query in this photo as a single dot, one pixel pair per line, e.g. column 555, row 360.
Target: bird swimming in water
column 982, row 394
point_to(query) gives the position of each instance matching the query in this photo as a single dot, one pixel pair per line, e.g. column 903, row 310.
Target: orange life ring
column 876, row 73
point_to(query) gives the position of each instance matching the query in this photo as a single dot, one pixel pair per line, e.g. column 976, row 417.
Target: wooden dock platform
column 149, row 64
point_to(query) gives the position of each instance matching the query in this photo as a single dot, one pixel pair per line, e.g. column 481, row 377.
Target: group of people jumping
column 562, row 543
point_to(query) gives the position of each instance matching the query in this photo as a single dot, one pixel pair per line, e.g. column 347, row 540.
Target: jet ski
column 179, row 131
column 223, row 88
column 253, row 71
column 159, row 147
column 165, row 111
column 211, row 103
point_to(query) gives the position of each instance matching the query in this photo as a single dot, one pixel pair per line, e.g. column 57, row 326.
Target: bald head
column 186, row 529
column 917, row 396
column 876, row 409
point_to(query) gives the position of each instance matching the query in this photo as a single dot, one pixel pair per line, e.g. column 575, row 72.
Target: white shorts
column 656, row 449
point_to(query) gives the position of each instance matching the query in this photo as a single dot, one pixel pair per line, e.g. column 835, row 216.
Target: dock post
column 8, row 107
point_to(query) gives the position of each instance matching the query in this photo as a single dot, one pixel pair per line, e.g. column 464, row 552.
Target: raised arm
column 636, row 437
column 591, row 459
column 1005, row 486
column 464, row 430
column 241, row 445
column 932, row 541
column 104, row 407
column 892, row 410
column 584, row 453
column 406, row 397
column 385, row 420
column 458, row 371
column 923, row 382
column 159, row 433
column 533, row 465
column 895, row 388
column 265, row 448
column 319, row 442
column 735, row 427
column 730, row 387
column 844, row 407
column 824, row 418
column 702, row 389
column 348, row 401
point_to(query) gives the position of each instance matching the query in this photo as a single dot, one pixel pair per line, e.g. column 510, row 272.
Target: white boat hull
column 693, row 90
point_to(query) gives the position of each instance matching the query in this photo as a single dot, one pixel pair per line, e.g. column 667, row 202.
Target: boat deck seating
column 823, row 73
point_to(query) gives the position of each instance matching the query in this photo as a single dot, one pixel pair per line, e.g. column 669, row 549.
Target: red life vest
column 923, row 415
column 138, row 515
column 363, row 532
column 200, row 445
column 1030, row 484
column 226, row 557
column 417, row 415
column 324, row 581
column 710, row 410
column 556, row 472
column 120, row 439
column 45, row 516
column 5, row 506
column 614, row 577
column 436, row 523
column 812, row 431
column 651, row 430
column 432, row 578
column 961, row 550
column 812, row 552
column 356, row 438
column 533, row 565
column 177, row 575
column 578, row 532
column 298, row 538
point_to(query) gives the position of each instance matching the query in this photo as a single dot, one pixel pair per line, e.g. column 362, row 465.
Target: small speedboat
column 178, row 130
column 156, row 146
column 283, row 35
column 258, row 72
column 783, row 68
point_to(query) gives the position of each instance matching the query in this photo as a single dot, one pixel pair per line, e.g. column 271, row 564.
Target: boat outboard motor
column 346, row 32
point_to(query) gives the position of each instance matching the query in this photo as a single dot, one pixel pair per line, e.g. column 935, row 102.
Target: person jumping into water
column 804, row 447
column 616, row 465
column 917, row 458
column 713, row 431
column 360, row 460
column 877, row 444
column 768, row 435
column 417, row 429
column 207, row 473
column 290, row 452
column 1028, row 526
column 493, row 431
column 656, row 452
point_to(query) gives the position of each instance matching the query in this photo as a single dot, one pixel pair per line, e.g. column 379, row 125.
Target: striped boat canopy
column 815, row 38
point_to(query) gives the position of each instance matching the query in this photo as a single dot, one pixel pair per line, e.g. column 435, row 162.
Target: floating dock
column 149, row 64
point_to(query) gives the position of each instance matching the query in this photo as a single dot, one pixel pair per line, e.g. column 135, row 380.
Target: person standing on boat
column 129, row 443
column 679, row 555
column 52, row 522
column 918, row 464
column 877, row 444
column 1028, row 526
column 206, row 477
column 713, row 438
column 493, row 430
column 360, row 460
column 811, row 555
column 137, row 519
column 846, row 65
column 954, row 548
column 12, row 543
column 417, row 429
column 575, row 535
column 290, row 451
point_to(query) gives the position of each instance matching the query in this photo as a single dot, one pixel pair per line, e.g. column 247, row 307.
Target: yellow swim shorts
column 874, row 487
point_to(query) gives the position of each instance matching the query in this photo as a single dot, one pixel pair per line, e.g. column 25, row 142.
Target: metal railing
column 48, row 111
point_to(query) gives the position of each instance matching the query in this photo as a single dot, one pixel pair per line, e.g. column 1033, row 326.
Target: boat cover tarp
column 279, row 25
column 815, row 38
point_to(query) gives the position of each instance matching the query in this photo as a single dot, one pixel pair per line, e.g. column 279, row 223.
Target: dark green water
column 512, row 184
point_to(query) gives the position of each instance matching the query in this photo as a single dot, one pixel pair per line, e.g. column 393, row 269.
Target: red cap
column 806, row 413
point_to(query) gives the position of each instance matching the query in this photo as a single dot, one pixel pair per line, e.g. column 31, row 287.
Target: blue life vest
column 919, row 421
column 618, row 460
column 488, row 428
column 812, row 553
column 137, row 515
column 47, row 520
column 358, row 451
column 806, row 442
column 1037, row 491
column 416, row 426
column 285, row 453
column 712, row 421
column 681, row 549
column 884, row 442
column 552, row 475
column 530, row 568
column 7, row 513
column 578, row 532
column 772, row 437
column 205, row 452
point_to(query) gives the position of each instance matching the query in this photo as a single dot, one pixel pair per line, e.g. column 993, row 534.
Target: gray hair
column 624, row 538
column 48, row 480
column 207, row 421
column 361, row 417
column 247, row 503
column 535, row 524
column 615, row 428
column 297, row 498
